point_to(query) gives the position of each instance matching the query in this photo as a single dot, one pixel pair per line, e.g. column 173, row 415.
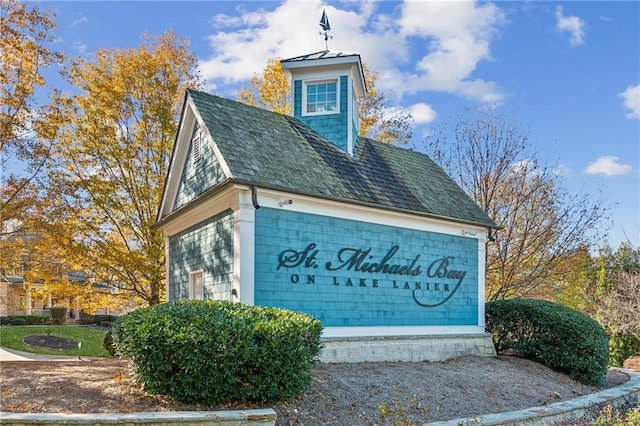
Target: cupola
column 326, row 89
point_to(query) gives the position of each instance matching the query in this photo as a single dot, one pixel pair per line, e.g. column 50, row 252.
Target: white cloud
column 448, row 38
column 80, row 20
column 608, row 166
column 631, row 101
column 80, row 47
column 571, row 24
column 422, row 113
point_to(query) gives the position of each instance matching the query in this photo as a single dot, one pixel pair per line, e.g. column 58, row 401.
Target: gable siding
column 353, row 298
column 332, row 127
column 206, row 246
column 197, row 177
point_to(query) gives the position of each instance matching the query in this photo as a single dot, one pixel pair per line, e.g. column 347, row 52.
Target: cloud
column 80, row 20
column 572, row 25
column 608, row 166
column 80, row 47
column 455, row 37
column 631, row 101
column 448, row 39
column 422, row 113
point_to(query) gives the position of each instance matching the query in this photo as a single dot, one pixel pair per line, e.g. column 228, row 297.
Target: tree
column 271, row 91
column 112, row 142
column 23, row 48
column 542, row 223
column 616, row 290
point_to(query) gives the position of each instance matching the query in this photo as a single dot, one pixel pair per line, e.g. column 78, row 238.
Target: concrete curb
column 572, row 409
column 203, row 418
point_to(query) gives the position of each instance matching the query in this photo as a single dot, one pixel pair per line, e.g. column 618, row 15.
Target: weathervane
column 324, row 23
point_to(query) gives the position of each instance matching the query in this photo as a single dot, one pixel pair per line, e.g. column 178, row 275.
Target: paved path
column 13, row 355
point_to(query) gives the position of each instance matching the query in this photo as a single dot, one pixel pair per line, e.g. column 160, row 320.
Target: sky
column 568, row 72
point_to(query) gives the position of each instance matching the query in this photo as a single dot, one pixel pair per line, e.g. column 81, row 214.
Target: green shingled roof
column 277, row 151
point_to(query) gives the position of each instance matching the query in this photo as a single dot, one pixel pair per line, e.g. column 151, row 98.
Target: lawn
column 91, row 338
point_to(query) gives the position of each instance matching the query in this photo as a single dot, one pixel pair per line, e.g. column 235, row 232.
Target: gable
column 188, row 179
column 200, row 172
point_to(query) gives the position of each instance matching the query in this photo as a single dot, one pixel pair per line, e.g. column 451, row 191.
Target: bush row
column 557, row 336
column 24, row 320
column 211, row 351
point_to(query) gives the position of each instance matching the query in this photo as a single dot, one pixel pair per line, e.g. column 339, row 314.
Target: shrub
column 58, row 314
column 99, row 319
column 557, row 336
column 23, row 320
column 211, row 351
column 621, row 347
column 17, row 321
column 107, row 343
column 85, row 318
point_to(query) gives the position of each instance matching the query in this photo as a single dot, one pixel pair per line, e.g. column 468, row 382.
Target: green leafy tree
column 112, row 142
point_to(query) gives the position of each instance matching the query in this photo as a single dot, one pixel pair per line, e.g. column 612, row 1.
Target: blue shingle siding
column 206, row 246
column 333, row 127
column 431, row 297
column 197, row 177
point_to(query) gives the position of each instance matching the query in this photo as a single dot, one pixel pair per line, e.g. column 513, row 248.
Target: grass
column 91, row 339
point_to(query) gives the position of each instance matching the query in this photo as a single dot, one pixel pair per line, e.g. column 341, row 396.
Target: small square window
column 321, row 96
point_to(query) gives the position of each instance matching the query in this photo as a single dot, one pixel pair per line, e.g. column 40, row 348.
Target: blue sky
column 568, row 72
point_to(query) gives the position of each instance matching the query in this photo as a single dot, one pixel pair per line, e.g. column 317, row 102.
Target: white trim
column 482, row 260
column 323, row 207
column 192, row 288
column 313, row 82
column 380, row 331
column 177, row 163
column 244, row 249
column 166, row 268
column 224, row 200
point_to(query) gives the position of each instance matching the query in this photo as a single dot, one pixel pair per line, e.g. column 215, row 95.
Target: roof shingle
column 277, row 151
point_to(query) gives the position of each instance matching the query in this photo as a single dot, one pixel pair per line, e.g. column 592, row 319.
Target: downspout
column 254, row 197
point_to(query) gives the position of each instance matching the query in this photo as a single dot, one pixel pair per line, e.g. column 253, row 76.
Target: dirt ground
column 354, row 394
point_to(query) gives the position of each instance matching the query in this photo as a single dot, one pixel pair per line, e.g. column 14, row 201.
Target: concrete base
column 405, row 348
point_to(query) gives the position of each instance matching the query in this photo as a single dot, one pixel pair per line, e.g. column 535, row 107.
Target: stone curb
column 226, row 418
column 572, row 409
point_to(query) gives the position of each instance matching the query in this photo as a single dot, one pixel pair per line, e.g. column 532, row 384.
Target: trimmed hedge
column 24, row 320
column 211, row 351
column 557, row 336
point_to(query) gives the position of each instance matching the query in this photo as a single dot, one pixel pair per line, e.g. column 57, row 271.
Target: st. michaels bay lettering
column 441, row 277
column 351, row 259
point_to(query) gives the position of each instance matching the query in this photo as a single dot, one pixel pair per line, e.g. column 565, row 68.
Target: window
column 14, row 272
column 196, row 285
column 321, row 97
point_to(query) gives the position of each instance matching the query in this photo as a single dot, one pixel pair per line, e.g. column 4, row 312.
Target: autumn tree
column 542, row 224
column 26, row 34
column 616, row 290
column 112, row 140
column 271, row 91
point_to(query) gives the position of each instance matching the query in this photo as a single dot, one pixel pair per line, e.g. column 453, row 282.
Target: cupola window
column 321, row 97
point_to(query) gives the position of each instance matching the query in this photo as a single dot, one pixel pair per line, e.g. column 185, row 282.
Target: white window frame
column 312, row 82
column 196, row 291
